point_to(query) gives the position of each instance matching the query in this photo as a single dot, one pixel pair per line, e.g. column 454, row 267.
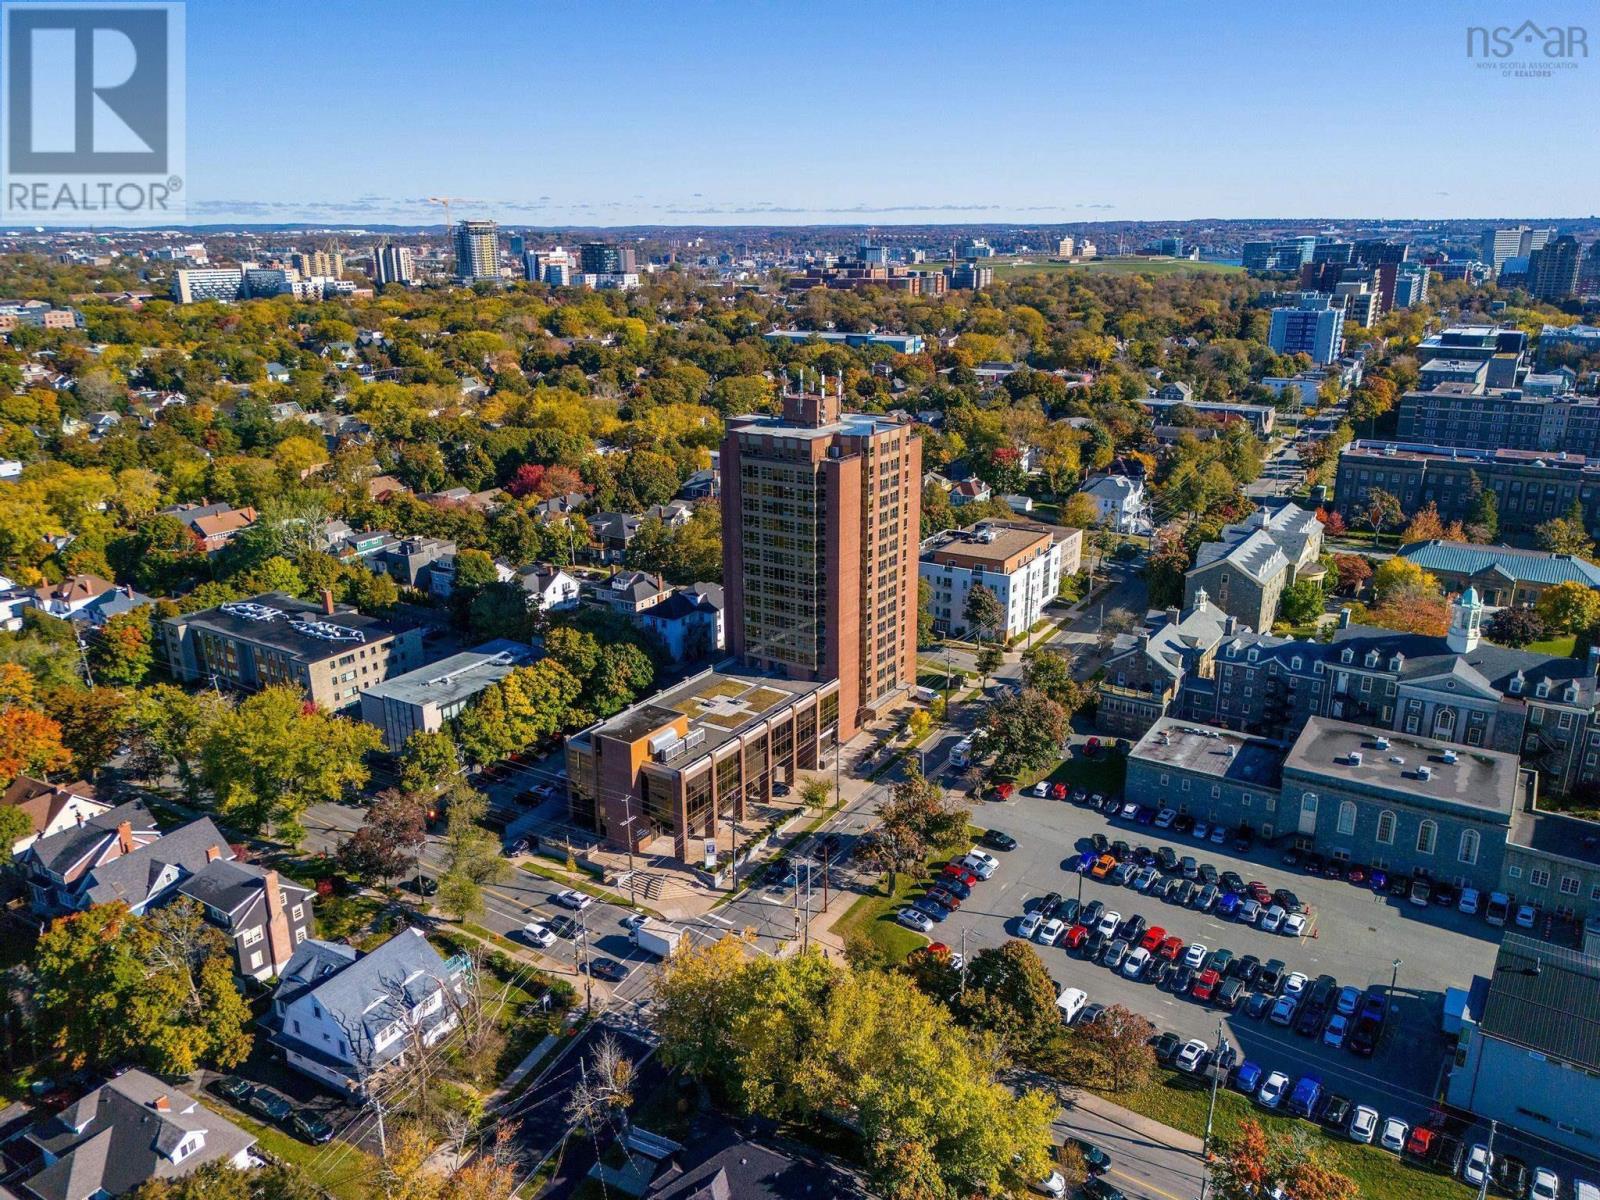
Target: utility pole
column 1211, row 1112
column 627, row 823
column 588, row 975
column 963, row 984
column 1483, row 1188
column 827, row 863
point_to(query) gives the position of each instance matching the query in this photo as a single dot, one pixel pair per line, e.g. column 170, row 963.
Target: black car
column 1243, row 838
column 1323, row 992
column 1228, row 994
column 1143, row 856
column 1245, row 969
column 1096, row 1188
column 232, row 1089
column 1133, row 928
column 1448, row 1153
column 1067, row 910
column 608, row 969
column 1510, row 1175
column 1258, row 1005
column 1229, row 881
column 1291, row 857
column 1182, row 980
column 1221, row 961
column 1313, row 863
column 1096, row 1159
column 1171, row 889
column 1445, row 896
column 1335, row 1113
column 1049, row 905
column 1184, row 823
column 999, row 841
column 1120, row 850
column 1161, row 972
column 1287, row 900
column 1208, row 873
column 1308, row 1022
column 1166, row 859
column 1091, row 1013
column 1271, row 977
column 562, row 926
column 269, row 1103
column 311, row 1126
column 1186, row 893
column 1099, row 843
column 1399, row 884
column 1166, row 1045
column 1120, row 874
column 1078, row 796
column 1092, row 912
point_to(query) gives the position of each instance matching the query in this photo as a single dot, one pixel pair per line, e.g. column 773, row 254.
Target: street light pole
column 1394, row 979
column 1211, row 1112
column 1483, row 1188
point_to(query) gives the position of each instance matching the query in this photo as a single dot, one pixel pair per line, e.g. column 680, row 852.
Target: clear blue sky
column 617, row 112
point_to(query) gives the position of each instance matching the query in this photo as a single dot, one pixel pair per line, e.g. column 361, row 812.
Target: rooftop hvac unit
column 1424, row 773
column 327, row 631
column 1449, row 756
column 250, row 611
column 1382, row 743
column 1355, row 758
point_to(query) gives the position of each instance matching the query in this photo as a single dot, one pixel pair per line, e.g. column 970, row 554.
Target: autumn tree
column 268, row 759
column 1118, row 1043
column 1353, row 571
column 1010, row 994
column 1050, row 673
column 1026, row 731
column 1425, row 525
column 391, row 836
column 428, row 760
column 918, row 818
column 1569, row 608
column 1381, row 510
column 1254, row 1162
column 120, row 651
column 30, row 744
column 472, row 854
column 1567, row 534
column 1515, row 627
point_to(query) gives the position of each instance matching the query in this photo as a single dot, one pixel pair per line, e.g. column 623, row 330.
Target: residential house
column 688, row 622
column 381, row 487
column 51, row 808
column 265, row 916
column 408, row 560
column 613, row 533
column 560, row 506
column 701, row 485
column 212, row 526
column 630, row 592
column 72, row 595
column 549, row 588
column 720, row 1163
column 1503, row 576
column 343, row 1018
column 129, row 1131
column 1021, row 562
column 674, row 514
column 1120, row 500
column 14, row 601
column 277, row 373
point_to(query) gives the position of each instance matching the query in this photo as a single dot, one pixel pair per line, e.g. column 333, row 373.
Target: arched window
column 1469, row 846
column 1386, row 827
column 1347, row 817
column 1427, row 835
column 1444, row 723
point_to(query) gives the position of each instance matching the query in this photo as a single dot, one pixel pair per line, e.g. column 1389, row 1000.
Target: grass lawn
column 872, row 915
column 346, row 916
column 343, row 1171
column 1559, row 646
column 1104, row 774
column 1175, row 1101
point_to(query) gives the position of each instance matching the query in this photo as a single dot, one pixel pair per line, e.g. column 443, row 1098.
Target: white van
column 1071, row 1002
column 961, row 755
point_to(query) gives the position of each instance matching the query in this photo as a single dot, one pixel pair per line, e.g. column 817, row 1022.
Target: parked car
column 1258, row 1005
column 230, row 1087
column 1134, row 965
column 1282, row 1011
column 1152, row 938
column 1245, row 969
column 1048, row 905
column 1109, row 922
column 1228, row 994
column 1247, row 1078
column 1115, row 953
column 1468, row 902
column 1192, row 1057
column 1205, row 985
column 1303, row 1099
column 573, row 899
column 1337, row 1030
column 1166, row 1046
column 1050, row 932
column 1271, row 1092
column 311, row 1126
column 1067, row 910
column 1420, row 1145
column 1165, row 818
column 1363, row 1124
column 1348, row 1000
column 1546, row 1185
column 1293, row 984
column 539, row 935
column 1335, row 1113
column 1195, row 955
column 1271, row 920
column 1476, row 1169
column 998, row 840
column 562, row 926
column 913, row 918
column 269, row 1103
column 1509, row 1174
column 1294, row 925
column 1270, row 978
column 1394, row 1134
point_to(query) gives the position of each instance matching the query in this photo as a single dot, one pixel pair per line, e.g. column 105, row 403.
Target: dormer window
column 1372, row 658
column 1319, row 666
column 1570, row 696
column 1396, row 662
column 1542, row 689
column 1347, row 655
column 1254, row 654
column 1516, row 684
column 1233, row 649
column 1294, row 663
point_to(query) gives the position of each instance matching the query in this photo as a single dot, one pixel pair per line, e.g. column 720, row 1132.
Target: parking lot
column 1354, row 935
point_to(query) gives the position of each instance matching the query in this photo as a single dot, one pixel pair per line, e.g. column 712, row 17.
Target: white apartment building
column 1021, row 562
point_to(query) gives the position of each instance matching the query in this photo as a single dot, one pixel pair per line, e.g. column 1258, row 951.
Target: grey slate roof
column 59, row 851
column 1427, row 657
column 225, row 885
column 116, row 1138
column 1525, row 566
column 1546, row 998
column 1255, row 555
column 130, row 877
column 726, row 1166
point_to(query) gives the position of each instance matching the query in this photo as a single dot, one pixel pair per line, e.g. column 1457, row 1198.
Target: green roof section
column 1524, row 566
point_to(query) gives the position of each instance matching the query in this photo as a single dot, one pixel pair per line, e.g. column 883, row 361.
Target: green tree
column 1567, row 535
column 1050, row 672
column 988, row 660
column 1300, row 602
column 816, row 792
column 472, row 855
column 1009, row 993
column 528, row 704
column 169, row 726
column 1569, row 608
column 917, row 818
column 224, row 1181
column 14, row 825
column 1026, row 731
column 273, row 755
column 924, row 613
column 120, row 652
column 428, row 760
column 1483, row 525
column 983, row 613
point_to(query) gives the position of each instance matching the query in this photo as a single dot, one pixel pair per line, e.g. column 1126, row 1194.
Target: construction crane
column 446, row 202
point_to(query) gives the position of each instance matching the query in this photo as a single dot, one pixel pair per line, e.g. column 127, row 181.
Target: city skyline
column 741, row 115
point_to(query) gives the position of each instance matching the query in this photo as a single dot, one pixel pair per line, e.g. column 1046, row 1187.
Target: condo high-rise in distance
column 477, row 250
column 1553, row 269
column 391, row 263
column 604, row 258
column 821, row 514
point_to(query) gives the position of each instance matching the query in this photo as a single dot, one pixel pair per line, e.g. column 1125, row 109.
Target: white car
column 1030, row 924
column 1192, row 1056
column 575, row 900
column 1071, row 1002
column 1294, row 983
column 1272, row 1089
column 1527, row 914
column 1052, row 1185
column 634, row 920
column 981, row 867
column 1049, row 932
column 1108, row 924
column 1271, row 919
column 1249, row 910
column 976, row 855
column 1201, row 831
column 1138, row 959
column 1294, row 925
column 1042, row 788
column 912, row 919
column 539, row 935
column 1195, row 955
column 1546, row 1185
column 1468, row 902
column 1476, row 1169
column 1394, row 1135
column 1363, row 1124
column 1165, row 818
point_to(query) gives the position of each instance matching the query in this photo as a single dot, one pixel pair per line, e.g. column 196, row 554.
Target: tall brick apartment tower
column 821, row 514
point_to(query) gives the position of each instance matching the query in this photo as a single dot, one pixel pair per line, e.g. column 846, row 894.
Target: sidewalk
column 1144, row 1127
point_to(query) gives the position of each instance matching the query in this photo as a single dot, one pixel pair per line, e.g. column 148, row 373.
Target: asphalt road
column 1142, row 1166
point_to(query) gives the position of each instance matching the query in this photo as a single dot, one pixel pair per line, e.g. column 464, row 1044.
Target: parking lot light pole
column 1483, row 1188
column 1394, row 979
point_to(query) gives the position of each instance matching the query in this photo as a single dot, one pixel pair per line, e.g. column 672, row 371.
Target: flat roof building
column 686, row 763
column 1021, row 562
column 424, row 699
column 329, row 651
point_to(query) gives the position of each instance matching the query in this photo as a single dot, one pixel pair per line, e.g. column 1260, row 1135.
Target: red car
column 1076, row 936
column 1258, row 892
column 1205, row 984
column 1171, row 949
column 957, row 871
column 1358, row 874
column 1059, row 791
column 1152, row 939
column 1003, row 790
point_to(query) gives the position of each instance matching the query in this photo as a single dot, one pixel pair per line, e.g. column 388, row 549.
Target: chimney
column 1594, row 660
column 280, row 946
column 1344, row 618
column 1174, row 614
column 161, row 1104
column 213, row 853
column 327, row 601
column 125, row 837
